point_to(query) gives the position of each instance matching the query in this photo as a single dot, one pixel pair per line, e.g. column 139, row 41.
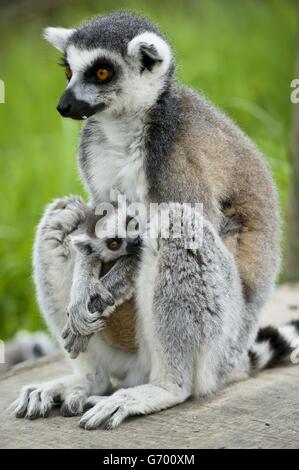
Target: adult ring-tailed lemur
column 156, row 141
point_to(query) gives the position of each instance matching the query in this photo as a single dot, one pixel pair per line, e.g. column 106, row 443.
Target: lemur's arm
column 77, row 331
column 119, row 281
column 86, row 287
column 93, row 300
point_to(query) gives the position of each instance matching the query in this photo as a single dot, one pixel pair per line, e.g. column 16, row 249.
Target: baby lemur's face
column 110, row 249
column 97, row 240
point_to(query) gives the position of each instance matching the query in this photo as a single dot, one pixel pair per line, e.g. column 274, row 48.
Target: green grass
column 240, row 54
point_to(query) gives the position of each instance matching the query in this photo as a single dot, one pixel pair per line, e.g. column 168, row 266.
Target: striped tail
column 274, row 346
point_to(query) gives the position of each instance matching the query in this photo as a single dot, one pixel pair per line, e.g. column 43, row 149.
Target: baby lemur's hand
column 88, row 312
column 86, row 315
column 84, row 319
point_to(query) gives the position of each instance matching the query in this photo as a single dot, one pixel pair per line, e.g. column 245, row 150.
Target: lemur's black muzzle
column 69, row 106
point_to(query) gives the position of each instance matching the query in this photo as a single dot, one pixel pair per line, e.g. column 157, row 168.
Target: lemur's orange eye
column 103, row 74
column 114, row 245
column 68, row 72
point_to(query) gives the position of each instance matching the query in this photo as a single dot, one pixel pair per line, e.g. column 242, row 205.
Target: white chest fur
column 115, row 159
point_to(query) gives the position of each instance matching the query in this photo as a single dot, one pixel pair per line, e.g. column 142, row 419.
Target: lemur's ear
column 82, row 244
column 58, row 37
column 151, row 50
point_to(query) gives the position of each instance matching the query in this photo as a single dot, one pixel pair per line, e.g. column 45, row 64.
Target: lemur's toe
column 72, row 407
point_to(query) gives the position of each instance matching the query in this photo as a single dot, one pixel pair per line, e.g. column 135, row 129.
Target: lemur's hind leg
column 69, row 392
column 53, row 258
column 53, row 272
column 191, row 326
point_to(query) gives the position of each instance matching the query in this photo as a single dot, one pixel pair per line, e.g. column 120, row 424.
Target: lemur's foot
column 74, row 208
column 37, row 401
column 67, row 213
column 62, row 217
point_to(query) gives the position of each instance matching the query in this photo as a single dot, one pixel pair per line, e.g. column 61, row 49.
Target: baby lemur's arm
column 85, row 288
column 94, row 298
column 119, row 281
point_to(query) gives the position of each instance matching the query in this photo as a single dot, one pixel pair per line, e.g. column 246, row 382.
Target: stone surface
column 260, row 412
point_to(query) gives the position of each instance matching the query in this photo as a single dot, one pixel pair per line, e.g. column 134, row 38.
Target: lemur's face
column 112, row 64
column 113, row 248
column 104, row 240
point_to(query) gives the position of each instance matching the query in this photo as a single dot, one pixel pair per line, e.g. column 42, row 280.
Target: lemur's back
column 232, row 177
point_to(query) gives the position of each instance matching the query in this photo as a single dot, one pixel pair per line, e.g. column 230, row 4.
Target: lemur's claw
column 65, row 332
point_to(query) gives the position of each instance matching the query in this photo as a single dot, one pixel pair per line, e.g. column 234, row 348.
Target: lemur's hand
column 89, row 310
column 85, row 317
column 101, row 302
column 74, row 344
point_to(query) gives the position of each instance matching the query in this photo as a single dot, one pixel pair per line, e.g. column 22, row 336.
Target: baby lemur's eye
column 114, row 244
column 103, row 74
column 68, row 72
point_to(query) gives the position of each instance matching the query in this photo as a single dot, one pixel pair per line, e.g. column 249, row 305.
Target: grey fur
column 111, row 32
column 200, row 314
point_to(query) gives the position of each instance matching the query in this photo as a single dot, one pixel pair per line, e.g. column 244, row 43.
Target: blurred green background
column 240, row 54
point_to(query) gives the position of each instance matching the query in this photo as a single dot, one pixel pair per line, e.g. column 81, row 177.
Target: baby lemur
column 99, row 242
column 101, row 251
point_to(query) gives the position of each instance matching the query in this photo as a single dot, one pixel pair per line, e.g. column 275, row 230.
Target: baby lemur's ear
column 82, row 244
column 58, row 37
